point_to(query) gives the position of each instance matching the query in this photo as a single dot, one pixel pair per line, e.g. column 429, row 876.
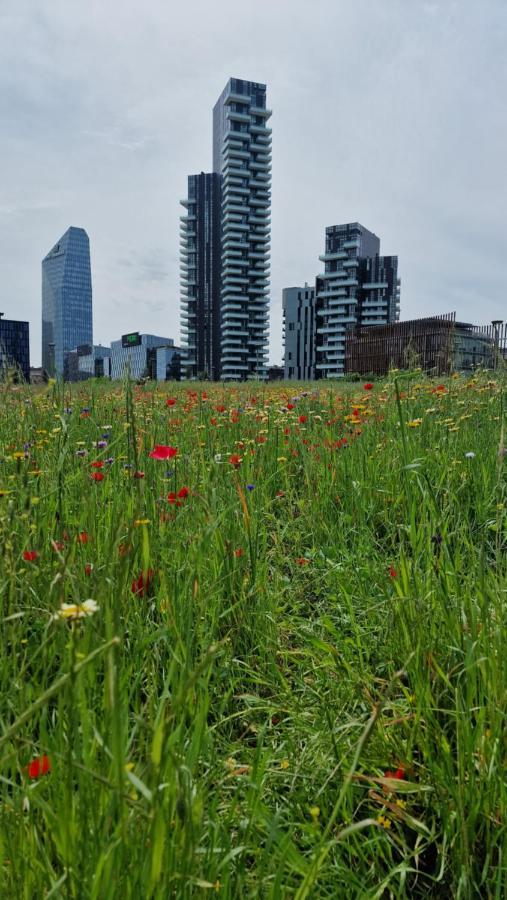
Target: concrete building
column 66, row 300
column 358, row 288
column 226, row 241
column 14, row 348
column 299, row 332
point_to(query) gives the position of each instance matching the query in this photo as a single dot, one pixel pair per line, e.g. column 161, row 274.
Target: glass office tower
column 66, row 300
column 242, row 156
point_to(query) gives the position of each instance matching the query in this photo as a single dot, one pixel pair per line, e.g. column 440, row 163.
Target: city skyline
column 395, row 124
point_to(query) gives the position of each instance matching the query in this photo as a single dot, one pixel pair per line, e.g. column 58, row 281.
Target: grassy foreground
column 271, row 664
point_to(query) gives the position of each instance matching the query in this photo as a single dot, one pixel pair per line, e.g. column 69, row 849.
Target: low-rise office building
column 438, row 344
column 14, row 348
column 146, row 356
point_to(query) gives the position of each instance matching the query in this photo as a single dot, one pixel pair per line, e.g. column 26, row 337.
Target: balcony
column 350, row 245
column 234, row 116
column 373, row 285
column 237, row 98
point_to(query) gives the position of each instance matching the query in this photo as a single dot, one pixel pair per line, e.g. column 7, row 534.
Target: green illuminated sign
column 131, row 340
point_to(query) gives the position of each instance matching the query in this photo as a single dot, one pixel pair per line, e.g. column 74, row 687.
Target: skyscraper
column 299, row 321
column 230, row 300
column 66, row 300
column 200, row 275
column 358, row 287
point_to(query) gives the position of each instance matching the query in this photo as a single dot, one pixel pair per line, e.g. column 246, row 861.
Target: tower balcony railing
column 228, row 207
column 238, row 98
column 261, row 111
column 235, row 116
column 260, row 129
column 336, row 254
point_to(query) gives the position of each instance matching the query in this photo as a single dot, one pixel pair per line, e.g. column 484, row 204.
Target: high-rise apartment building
column 14, row 348
column 230, row 301
column 200, row 275
column 299, row 321
column 357, row 288
column 66, row 300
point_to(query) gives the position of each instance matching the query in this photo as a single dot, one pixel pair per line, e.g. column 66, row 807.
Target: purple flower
column 101, row 444
column 250, row 487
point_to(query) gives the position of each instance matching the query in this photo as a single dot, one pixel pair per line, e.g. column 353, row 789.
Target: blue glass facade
column 14, row 347
column 66, row 300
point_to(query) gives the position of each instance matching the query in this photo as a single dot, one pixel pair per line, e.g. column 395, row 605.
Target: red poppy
column 303, row 419
column 392, row 572
column 142, row 584
column 39, row 766
column 220, row 408
column 30, row 555
column 161, row 451
column 235, row 460
column 399, row 775
column 183, row 492
column 83, row 537
column 88, row 569
column 98, row 464
column 97, row 476
column 290, row 406
column 302, row 561
column 238, row 552
column 138, row 475
column 170, row 401
column 368, row 387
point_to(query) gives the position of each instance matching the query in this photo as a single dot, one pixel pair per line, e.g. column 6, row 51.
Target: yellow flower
column 73, row 611
column 384, row 822
column 142, row 522
column 282, row 459
column 414, row 423
column 315, row 812
column 284, row 764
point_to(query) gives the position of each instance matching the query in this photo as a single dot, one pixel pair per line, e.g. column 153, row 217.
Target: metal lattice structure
column 437, row 344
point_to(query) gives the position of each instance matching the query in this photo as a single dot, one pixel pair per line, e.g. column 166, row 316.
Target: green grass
column 226, row 729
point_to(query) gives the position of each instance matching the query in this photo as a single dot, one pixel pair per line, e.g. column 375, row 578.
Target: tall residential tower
column 228, row 312
column 358, row 287
column 200, row 275
column 66, row 300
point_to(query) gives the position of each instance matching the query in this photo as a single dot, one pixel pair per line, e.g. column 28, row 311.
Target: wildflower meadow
column 253, row 639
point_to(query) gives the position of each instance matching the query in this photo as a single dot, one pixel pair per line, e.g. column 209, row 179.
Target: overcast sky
column 387, row 112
